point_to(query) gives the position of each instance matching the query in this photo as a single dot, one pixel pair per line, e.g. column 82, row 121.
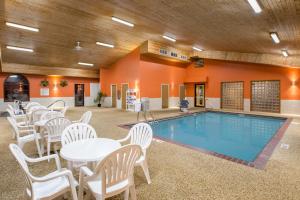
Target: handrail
column 59, row 100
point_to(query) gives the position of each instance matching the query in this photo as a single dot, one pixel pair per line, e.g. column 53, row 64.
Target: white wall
column 213, row 103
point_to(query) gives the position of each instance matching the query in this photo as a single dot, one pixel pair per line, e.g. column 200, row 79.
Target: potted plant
column 99, row 98
column 44, row 83
column 63, row 83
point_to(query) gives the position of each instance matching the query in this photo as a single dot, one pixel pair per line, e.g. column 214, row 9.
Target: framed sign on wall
column 44, row 91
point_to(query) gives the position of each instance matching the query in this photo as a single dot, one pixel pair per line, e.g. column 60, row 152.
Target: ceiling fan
column 78, row 47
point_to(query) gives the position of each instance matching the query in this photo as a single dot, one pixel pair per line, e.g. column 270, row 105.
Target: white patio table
column 89, row 150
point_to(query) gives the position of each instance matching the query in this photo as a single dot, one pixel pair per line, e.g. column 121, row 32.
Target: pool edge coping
column 260, row 161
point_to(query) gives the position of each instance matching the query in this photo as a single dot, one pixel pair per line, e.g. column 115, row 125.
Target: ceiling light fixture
column 122, row 21
column 255, row 6
column 86, row 64
column 275, row 37
column 169, row 38
column 285, row 53
column 105, row 44
column 28, row 28
column 197, row 49
column 19, row 48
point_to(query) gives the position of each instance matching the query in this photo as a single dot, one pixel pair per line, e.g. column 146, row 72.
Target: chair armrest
column 85, row 171
column 61, row 173
column 75, row 121
column 124, row 139
column 52, row 156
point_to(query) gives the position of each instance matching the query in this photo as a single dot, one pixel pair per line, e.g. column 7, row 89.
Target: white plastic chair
column 20, row 119
column 77, row 132
column 142, row 135
column 51, row 114
column 25, row 134
column 54, row 129
column 36, row 114
column 85, row 118
column 112, row 175
column 46, row 187
column 30, row 104
column 64, row 110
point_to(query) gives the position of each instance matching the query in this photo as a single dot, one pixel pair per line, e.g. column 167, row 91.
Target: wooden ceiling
column 214, row 25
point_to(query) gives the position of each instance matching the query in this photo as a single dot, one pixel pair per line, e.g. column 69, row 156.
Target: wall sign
column 44, row 91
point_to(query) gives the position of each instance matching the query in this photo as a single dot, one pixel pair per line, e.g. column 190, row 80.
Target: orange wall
column 218, row 71
column 67, row 91
column 154, row 74
column 148, row 74
column 125, row 70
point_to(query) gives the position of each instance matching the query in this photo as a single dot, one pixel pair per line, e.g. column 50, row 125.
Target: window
column 232, row 95
column 265, row 96
column 16, row 87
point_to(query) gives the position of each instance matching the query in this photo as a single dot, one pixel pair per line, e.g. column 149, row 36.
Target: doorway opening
column 79, row 94
column 16, row 87
column 200, row 95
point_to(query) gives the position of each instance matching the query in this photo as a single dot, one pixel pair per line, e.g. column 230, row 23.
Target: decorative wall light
column 294, row 83
column 55, row 86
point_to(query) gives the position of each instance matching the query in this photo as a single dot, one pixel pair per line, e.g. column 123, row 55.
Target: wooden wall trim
column 270, row 59
column 0, row 59
column 44, row 70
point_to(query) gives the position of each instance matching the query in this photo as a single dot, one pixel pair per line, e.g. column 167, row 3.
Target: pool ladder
column 152, row 121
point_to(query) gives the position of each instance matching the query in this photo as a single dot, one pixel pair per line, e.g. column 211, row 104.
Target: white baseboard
column 213, row 103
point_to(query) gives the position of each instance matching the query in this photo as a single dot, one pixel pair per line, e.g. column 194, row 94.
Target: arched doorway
column 16, row 87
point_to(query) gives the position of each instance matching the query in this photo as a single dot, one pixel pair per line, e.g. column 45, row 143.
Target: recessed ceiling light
column 28, row 28
column 285, row 53
column 255, row 6
column 122, row 21
column 19, row 48
column 197, row 49
column 86, row 64
column 169, row 38
column 105, row 44
column 275, row 37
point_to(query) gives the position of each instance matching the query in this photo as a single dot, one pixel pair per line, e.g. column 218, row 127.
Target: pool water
column 235, row 135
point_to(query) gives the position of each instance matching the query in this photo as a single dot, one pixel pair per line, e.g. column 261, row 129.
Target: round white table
column 89, row 150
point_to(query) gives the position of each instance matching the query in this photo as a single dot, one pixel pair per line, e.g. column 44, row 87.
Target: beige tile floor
column 176, row 172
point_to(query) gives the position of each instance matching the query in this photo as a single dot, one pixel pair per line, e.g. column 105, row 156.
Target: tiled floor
column 178, row 172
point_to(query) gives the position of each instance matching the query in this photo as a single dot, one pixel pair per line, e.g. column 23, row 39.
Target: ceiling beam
column 44, row 70
column 270, row 59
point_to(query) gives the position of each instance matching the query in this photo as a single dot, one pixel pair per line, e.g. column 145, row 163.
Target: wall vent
column 163, row 52
column 199, row 62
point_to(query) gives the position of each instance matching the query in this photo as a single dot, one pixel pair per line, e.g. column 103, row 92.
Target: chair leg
column 132, row 192
column 145, row 168
column 126, row 194
column 74, row 194
column 48, row 149
column 38, row 147
column 21, row 145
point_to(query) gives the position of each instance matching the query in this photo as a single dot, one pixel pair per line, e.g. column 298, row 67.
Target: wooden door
column 113, row 96
column 165, row 96
column 124, row 90
column 181, row 92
